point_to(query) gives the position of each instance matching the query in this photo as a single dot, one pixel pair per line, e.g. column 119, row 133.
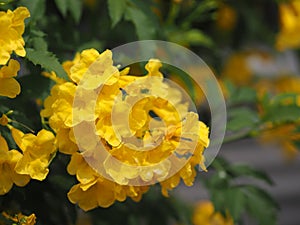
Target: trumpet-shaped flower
column 8, row 175
column 205, row 214
column 94, row 190
column 11, row 29
column 289, row 36
column 37, row 153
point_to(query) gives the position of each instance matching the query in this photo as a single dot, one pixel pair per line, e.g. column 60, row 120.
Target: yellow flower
column 8, row 85
column 140, row 120
column 237, row 70
column 283, row 136
column 205, row 214
column 289, row 36
column 8, row 175
column 226, row 17
column 11, row 29
column 287, row 84
column 37, row 152
column 94, row 190
column 21, row 219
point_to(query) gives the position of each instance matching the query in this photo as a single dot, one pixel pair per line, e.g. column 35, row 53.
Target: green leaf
column 46, row 60
column 235, row 199
column 62, row 6
column 228, row 196
column 240, row 118
column 72, row 6
column 39, row 43
column 116, row 9
column 190, row 37
column 144, row 26
column 282, row 108
column 75, row 8
column 239, row 170
column 261, row 205
column 240, row 95
column 284, row 99
column 282, row 114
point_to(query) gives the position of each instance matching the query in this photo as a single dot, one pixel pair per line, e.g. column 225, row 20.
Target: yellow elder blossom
column 289, row 36
column 8, row 85
column 37, row 152
column 169, row 127
column 11, row 29
column 8, row 175
column 284, row 136
column 205, row 214
column 237, row 70
column 94, row 190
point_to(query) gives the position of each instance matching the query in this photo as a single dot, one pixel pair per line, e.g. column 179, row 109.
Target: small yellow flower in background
column 8, row 175
column 157, row 121
column 11, row 29
column 8, row 85
column 237, row 70
column 287, row 84
column 282, row 136
column 20, row 219
column 226, row 17
column 289, row 36
column 205, row 214
column 37, row 152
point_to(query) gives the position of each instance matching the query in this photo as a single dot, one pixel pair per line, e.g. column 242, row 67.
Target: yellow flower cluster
column 18, row 167
column 11, row 29
column 289, row 36
column 157, row 124
column 205, row 214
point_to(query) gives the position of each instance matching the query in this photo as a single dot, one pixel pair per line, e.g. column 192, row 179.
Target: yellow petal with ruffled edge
column 153, row 67
column 11, row 29
column 8, row 85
